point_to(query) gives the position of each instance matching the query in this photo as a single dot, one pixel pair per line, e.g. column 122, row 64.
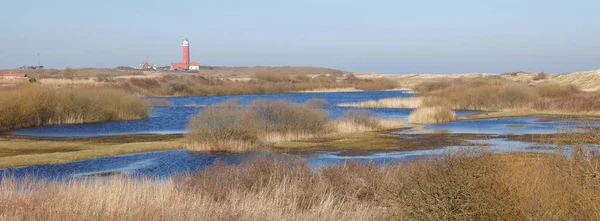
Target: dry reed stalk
column 432, row 115
column 411, row 102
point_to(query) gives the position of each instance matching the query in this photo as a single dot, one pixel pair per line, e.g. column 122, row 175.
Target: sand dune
column 587, row 80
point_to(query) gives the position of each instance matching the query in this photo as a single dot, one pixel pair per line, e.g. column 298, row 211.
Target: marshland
column 140, row 147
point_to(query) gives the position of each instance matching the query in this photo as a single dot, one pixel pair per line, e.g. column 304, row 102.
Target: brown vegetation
column 228, row 127
column 361, row 121
column 36, row 105
column 259, row 83
column 541, row 76
column 401, row 102
column 497, row 95
column 464, row 185
column 432, row 115
column 231, row 127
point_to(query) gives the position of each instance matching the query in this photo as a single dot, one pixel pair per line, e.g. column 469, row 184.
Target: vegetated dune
column 496, row 93
column 465, row 184
column 588, row 80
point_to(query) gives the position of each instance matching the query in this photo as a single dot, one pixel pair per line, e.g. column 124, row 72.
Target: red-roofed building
column 180, row 66
column 9, row 76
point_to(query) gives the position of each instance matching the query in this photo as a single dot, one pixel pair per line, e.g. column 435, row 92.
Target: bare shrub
column 218, row 129
column 432, row 115
column 68, row 73
column 362, row 117
column 283, row 117
column 230, row 127
column 37, row 105
column 272, row 76
column 555, row 90
column 376, row 84
column 541, row 76
column 429, row 86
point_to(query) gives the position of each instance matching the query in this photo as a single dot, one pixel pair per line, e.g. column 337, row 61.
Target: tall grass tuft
column 432, row 115
column 361, row 121
column 36, row 105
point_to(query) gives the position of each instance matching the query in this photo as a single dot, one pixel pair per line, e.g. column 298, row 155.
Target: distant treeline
column 259, row 83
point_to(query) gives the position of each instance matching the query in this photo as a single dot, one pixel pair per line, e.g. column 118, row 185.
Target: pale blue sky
column 379, row 36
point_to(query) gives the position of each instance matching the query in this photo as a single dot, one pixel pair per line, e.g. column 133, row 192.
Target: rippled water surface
column 170, row 120
column 173, row 120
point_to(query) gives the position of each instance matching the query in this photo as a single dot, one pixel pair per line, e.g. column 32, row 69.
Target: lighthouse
column 185, row 58
column 186, row 51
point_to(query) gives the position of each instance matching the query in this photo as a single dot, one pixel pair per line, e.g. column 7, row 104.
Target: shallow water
column 503, row 126
column 172, row 120
column 168, row 163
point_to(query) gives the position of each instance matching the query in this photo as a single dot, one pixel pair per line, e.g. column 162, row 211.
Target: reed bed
column 432, row 115
column 466, row 184
column 36, row 105
column 408, row 102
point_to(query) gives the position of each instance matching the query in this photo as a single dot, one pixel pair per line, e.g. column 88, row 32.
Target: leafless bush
column 37, row 105
column 541, row 76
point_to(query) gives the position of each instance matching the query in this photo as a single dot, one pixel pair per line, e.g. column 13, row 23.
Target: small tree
column 32, row 80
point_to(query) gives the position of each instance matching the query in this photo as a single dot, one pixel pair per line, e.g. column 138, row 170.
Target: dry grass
column 344, row 125
column 588, row 81
column 362, row 121
column 554, row 90
column 541, row 76
column 409, row 102
column 259, row 83
column 462, row 185
column 494, row 93
column 432, row 115
column 36, row 105
column 23, row 152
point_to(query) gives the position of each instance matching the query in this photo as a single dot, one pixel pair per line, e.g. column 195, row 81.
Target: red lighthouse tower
column 186, row 51
column 185, row 60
